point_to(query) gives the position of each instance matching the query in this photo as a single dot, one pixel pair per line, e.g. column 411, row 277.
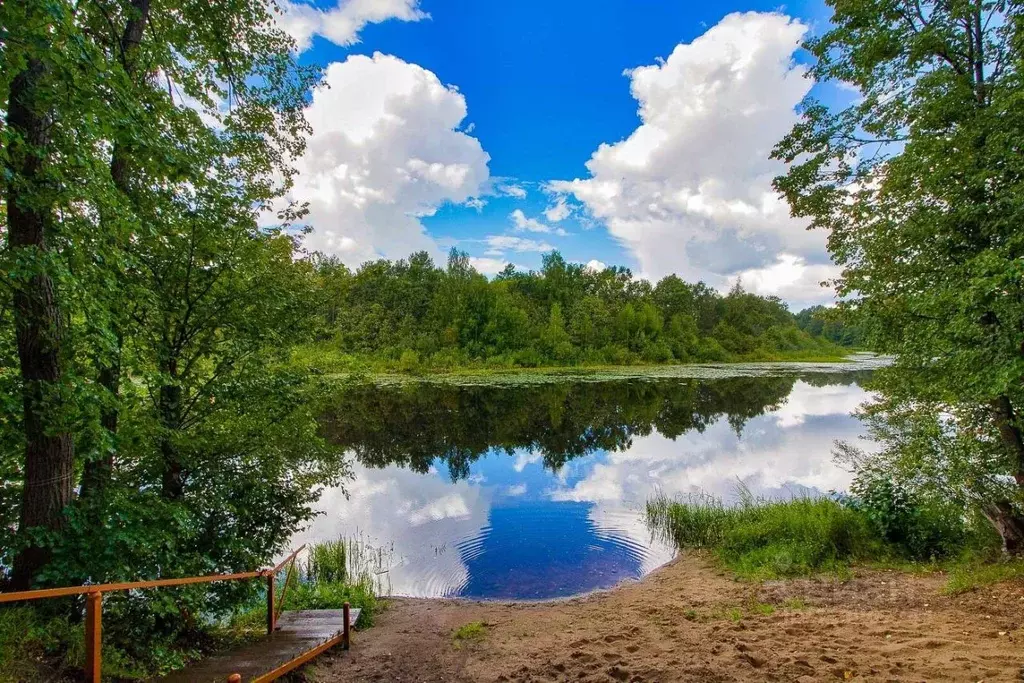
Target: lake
column 534, row 487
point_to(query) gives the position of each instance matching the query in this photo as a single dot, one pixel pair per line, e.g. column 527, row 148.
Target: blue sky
column 459, row 123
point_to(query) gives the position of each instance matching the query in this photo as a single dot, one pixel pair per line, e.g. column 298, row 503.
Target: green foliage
column 922, row 525
column 345, row 570
column 28, row 637
column 920, row 185
column 333, row 595
column 42, row 642
column 412, row 314
column 767, row 538
column 195, row 449
column 409, row 361
column 38, row 644
column 830, row 323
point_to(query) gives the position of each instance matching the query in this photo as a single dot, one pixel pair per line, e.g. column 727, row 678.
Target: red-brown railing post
column 271, row 616
column 345, row 628
column 93, row 636
column 284, row 590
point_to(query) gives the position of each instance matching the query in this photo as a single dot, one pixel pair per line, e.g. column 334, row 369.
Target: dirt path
column 688, row 622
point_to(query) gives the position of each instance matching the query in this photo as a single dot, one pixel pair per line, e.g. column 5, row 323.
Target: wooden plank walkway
column 302, row 635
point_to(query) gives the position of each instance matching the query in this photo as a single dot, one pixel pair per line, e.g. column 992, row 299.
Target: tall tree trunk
column 1010, row 525
column 98, row 472
column 49, row 453
column 173, row 481
column 1007, row 518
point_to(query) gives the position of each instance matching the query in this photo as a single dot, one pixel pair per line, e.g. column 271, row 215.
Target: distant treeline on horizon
column 413, row 311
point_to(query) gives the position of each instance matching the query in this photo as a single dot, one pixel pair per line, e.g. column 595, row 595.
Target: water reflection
column 536, row 491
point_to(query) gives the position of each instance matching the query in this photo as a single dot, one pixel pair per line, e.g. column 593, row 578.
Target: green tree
column 555, row 339
column 920, row 184
column 830, row 323
column 674, row 297
column 332, row 280
column 682, row 338
column 34, row 78
column 100, row 157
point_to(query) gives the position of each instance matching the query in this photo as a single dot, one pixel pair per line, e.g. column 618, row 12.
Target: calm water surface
column 537, row 491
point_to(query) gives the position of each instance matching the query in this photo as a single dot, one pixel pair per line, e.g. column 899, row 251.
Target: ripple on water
column 535, row 551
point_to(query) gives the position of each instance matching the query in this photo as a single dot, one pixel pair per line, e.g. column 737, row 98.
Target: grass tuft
column 763, row 539
column 473, row 632
column 326, row 562
column 335, row 572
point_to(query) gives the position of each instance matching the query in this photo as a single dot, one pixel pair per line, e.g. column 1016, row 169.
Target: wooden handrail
column 288, row 559
column 43, row 593
column 94, row 603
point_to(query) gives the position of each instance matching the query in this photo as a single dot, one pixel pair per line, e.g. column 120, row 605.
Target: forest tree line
column 416, row 312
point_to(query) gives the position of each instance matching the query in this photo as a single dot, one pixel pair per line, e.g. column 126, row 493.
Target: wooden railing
column 94, row 602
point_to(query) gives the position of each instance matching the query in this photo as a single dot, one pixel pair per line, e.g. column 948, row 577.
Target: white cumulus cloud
column 496, row 244
column 775, row 453
column 488, row 265
column 523, row 223
column 789, row 278
column 385, row 152
column 689, row 191
column 510, row 189
column 342, row 23
column 557, row 211
column 449, row 506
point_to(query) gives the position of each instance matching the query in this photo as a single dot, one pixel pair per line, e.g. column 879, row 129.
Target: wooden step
column 301, row 635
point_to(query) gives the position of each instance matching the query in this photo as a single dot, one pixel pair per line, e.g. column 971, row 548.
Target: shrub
column 409, row 361
column 36, row 644
column 658, row 352
column 919, row 524
column 447, row 359
column 710, row 350
column 528, row 358
column 45, row 640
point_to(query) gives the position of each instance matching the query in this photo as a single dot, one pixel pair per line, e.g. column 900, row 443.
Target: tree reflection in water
column 417, row 424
